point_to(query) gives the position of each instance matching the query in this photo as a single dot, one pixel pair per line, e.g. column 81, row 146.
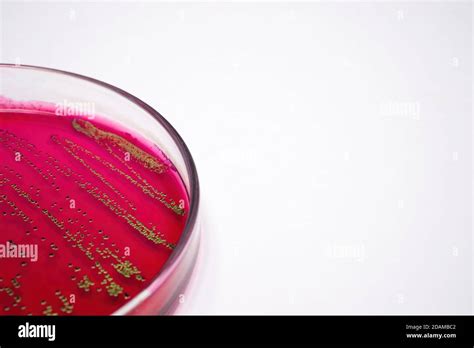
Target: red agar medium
column 103, row 209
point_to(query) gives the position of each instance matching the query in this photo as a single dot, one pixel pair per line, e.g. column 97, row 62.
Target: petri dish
column 99, row 199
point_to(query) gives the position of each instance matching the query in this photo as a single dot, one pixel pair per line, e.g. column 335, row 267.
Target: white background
column 333, row 140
